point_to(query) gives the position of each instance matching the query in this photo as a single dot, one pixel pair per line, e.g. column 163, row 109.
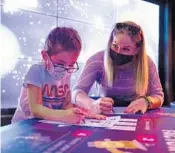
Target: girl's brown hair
column 68, row 38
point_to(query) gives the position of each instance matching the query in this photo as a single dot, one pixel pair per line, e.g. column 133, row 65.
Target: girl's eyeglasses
column 69, row 69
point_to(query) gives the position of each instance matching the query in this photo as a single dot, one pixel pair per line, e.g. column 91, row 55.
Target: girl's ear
column 45, row 58
column 44, row 55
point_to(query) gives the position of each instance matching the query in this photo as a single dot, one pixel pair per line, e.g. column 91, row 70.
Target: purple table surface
column 153, row 111
column 154, row 133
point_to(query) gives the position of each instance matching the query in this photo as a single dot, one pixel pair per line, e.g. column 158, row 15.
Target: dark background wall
column 173, row 46
column 167, row 48
column 171, row 49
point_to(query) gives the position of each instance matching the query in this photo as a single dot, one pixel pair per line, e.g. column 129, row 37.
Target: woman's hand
column 105, row 104
column 138, row 105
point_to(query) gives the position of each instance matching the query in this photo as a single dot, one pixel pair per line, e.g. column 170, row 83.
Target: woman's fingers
column 100, row 117
column 105, row 109
column 106, row 99
column 106, row 105
column 132, row 108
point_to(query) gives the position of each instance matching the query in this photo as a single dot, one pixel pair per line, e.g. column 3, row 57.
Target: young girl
column 125, row 74
column 46, row 88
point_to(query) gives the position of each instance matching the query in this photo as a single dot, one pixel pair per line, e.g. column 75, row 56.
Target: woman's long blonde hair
column 141, row 59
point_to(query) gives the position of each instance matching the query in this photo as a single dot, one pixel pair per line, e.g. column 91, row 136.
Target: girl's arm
column 38, row 110
column 67, row 104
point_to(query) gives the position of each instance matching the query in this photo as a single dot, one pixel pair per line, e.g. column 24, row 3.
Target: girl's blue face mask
column 56, row 71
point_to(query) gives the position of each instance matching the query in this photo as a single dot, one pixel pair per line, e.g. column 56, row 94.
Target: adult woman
column 124, row 73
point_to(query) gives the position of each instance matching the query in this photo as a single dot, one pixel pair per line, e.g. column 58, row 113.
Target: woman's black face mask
column 120, row 59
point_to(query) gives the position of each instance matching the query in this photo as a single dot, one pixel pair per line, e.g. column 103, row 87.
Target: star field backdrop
column 25, row 25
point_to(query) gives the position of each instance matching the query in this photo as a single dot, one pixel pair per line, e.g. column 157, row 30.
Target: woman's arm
column 155, row 92
column 92, row 72
column 89, row 75
column 83, row 100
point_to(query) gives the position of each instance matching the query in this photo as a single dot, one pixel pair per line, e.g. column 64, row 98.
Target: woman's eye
column 115, row 45
column 125, row 49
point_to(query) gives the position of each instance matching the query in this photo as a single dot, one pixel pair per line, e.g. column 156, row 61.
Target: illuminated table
column 153, row 132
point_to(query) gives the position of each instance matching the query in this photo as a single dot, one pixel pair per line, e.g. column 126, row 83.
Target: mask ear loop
column 48, row 65
column 46, row 62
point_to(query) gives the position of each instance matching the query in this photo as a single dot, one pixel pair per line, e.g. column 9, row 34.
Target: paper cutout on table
column 116, row 146
column 111, row 123
column 90, row 122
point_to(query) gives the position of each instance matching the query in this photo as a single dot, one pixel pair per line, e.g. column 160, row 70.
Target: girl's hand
column 91, row 115
column 94, row 116
column 74, row 115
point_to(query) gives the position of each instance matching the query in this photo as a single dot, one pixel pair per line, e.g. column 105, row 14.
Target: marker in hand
column 106, row 104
